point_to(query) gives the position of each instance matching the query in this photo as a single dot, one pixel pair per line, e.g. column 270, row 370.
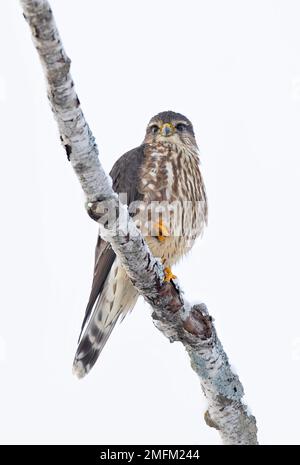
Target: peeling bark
column 172, row 315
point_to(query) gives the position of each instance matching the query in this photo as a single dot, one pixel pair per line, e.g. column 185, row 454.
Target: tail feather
column 117, row 298
column 89, row 350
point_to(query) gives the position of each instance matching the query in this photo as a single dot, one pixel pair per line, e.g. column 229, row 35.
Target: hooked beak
column 167, row 129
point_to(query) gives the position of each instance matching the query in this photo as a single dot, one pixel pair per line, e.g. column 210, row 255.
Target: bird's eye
column 180, row 127
column 154, row 129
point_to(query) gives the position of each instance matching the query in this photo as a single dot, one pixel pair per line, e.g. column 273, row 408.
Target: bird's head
column 171, row 127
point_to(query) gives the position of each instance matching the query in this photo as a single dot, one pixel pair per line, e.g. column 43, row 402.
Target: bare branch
column 174, row 317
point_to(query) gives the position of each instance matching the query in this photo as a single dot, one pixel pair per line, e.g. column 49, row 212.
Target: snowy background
column 234, row 69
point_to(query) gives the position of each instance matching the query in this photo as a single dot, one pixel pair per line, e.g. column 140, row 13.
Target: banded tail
column 118, row 296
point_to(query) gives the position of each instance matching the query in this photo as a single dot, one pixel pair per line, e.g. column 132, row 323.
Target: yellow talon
column 163, row 231
column 168, row 274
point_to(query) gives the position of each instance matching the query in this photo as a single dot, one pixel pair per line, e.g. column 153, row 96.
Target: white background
column 233, row 68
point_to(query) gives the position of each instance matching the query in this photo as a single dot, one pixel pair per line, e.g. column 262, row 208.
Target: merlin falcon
column 163, row 187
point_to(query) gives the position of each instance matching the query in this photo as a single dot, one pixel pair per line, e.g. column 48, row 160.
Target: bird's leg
column 168, row 272
column 163, row 231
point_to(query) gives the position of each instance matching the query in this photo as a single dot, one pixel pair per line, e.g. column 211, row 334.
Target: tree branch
column 174, row 317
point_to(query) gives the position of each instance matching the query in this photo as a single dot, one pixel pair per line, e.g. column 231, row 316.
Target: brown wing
column 125, row 177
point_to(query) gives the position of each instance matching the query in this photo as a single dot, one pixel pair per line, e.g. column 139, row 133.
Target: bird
column 164, row 172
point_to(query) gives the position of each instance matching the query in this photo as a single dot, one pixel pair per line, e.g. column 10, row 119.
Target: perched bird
column 162, row 177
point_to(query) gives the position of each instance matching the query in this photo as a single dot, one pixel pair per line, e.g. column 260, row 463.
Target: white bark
column 171, row 314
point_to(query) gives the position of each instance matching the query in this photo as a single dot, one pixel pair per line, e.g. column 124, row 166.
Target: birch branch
column 172, row 315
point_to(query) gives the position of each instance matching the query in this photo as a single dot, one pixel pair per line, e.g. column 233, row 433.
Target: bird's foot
column 168, row 274
column 163, row 231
